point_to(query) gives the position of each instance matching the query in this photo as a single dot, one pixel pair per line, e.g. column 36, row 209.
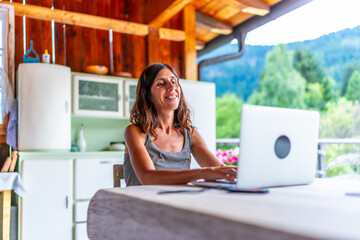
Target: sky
column 310, row 21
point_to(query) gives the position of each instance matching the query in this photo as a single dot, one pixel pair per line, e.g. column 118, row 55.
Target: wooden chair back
column 118, row 174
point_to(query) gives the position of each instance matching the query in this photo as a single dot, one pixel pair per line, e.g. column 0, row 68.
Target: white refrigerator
column 44, row 114
column 200, row 97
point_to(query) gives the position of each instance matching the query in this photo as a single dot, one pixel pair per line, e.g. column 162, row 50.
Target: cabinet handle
column 105, row 162
column 66, row 106
column 67, row 202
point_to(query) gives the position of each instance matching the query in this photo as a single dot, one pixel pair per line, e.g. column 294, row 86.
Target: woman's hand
column 223, row 172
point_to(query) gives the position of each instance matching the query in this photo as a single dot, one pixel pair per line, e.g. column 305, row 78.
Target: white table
column 317, row 211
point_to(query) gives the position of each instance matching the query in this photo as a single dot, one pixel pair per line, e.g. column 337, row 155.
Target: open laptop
column 278, row 147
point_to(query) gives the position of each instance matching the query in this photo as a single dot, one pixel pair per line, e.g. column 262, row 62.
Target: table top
column 320, row 210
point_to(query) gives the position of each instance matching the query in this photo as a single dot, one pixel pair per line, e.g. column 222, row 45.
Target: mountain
column 334, row 52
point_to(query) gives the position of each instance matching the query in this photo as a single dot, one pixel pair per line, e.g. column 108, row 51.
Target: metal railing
column 321, row 148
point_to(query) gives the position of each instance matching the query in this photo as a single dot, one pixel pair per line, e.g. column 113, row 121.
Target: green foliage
column 329, row 93
column 353, row 88
column 341, row 120
column 334, row 52
column 280, row 84
column 349, row 70
column 307, row 66
column 228, row 111
column 313, row 97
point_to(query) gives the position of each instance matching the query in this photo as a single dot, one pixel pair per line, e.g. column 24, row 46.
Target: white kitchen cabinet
column 44, row 93
column 59, row 186
column 130, row 86
column 46, row 209
column 97, row 96
column 92, row 175
column 80, row 231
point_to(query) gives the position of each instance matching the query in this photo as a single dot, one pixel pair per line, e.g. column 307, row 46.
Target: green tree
column 349, row 70
column 280, row 85
column 341, row 120
column 313, row 97
column 308, row 66
column 228, row 111
column 353, row 88
column 329, row 93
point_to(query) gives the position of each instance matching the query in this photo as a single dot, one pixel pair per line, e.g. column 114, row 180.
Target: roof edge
column 277, row 10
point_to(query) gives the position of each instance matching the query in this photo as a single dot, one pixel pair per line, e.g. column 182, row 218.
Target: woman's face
column 165, row 91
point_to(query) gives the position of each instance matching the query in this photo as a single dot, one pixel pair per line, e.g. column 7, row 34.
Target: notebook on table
column 278, row 147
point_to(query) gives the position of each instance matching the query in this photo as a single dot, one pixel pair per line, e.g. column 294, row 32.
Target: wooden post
column 6, row 201
column 190, row 43
column 154, row 45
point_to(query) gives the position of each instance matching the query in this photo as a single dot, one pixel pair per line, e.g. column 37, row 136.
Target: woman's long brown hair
column 143, row 113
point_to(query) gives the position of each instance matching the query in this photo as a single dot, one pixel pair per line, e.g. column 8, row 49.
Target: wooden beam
column 6, row 210
column 79, row 19
column 212, row 24
column 256, row 7
column 190, row 43
column 172, row 34
column 157, row 15
column 154, row 45
column 91, row 21
column 199, row 45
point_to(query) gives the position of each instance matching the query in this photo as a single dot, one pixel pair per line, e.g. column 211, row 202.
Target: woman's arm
column 202, row 154
column 145, row 170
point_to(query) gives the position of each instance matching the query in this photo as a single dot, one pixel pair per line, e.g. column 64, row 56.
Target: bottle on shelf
column 46, row 57
column 81, row 142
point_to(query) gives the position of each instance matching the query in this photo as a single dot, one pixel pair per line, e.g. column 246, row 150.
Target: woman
column 161, row 138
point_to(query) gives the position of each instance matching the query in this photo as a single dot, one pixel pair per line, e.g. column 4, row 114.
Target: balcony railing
column 321, row 148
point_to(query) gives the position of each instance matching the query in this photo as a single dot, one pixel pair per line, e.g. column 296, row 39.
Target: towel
column 12, row 181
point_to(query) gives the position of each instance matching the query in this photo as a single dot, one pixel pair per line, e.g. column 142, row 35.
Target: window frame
column 8, row 16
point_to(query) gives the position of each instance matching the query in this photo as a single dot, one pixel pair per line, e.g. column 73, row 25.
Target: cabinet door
column 46, row 209
column 130, row 95
column 95, row 96
column 92, row 175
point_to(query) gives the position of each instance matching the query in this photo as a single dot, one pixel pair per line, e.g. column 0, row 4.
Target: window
column 6, row 54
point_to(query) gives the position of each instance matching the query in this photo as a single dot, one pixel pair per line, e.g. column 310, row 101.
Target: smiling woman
column 161, row 138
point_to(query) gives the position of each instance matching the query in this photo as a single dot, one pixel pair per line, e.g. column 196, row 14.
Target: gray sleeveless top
column 162, row 160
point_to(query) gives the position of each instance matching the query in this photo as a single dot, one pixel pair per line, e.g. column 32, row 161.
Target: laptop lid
column 278, row 147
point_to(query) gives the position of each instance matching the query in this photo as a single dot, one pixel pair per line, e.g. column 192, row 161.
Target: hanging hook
column 30, row 59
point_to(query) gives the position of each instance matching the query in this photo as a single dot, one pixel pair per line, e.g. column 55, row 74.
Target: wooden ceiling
column 213, row 17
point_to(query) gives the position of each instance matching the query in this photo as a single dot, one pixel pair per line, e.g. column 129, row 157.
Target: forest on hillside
column 337, row 53
column 295, row 77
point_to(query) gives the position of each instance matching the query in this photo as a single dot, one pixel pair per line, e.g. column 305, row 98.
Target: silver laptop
column 278, row 147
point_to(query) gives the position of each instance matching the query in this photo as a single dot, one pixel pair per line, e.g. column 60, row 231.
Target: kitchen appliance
column 44, row 120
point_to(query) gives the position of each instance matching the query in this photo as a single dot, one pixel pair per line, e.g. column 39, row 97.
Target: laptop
column 278, row 147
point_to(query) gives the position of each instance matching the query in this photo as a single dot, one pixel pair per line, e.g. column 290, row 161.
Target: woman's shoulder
column 133, row 130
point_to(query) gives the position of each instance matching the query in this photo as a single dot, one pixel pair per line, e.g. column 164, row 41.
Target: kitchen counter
column 38, row 155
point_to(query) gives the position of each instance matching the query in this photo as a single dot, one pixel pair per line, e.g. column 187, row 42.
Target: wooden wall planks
column 78, row 47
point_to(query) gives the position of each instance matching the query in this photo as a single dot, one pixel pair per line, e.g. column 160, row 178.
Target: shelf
column 98, row 97
column 48, row 155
